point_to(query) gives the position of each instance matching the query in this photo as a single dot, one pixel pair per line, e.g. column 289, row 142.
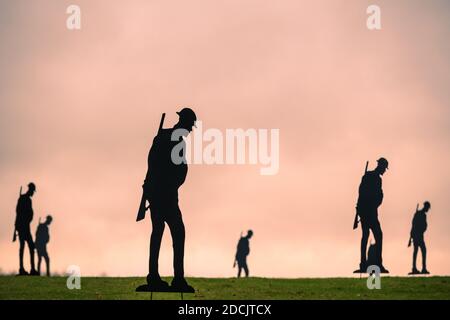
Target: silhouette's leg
column 39, row 264
column 47, row 262
column 155, row 245
column 155, row 240
column 177, row 231
column 423, row 248
column 378, row 235
column 245, row 269
column 416, row 248
column 21, row 249
column 239, row 270
column 31, row 249
column 364, row 239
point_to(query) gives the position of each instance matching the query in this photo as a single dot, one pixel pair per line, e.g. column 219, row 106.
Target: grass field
column 211, row 289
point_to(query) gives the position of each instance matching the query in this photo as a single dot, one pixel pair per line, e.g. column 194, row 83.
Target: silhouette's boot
column 383, row 269
column 363, row 266
column 157, row 284
column 22, row 272
column 180, row 284
column 424, row 266
column 33, row 272
column 415, row 271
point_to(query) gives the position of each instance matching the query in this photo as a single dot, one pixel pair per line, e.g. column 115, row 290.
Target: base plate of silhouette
column 23, row 273
column 415, row 273
column 365, row 271
column 147, row 288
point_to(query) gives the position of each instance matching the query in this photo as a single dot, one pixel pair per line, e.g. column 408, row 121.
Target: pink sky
column 79, row 109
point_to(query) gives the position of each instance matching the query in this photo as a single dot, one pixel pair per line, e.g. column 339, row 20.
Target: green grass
column 220, row 288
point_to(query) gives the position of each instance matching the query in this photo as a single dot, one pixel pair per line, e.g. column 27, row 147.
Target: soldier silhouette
column 419, row 226
column 42, row 238
column 166, row 173
column 243, row 250
column 370, row 198
column 24, row 216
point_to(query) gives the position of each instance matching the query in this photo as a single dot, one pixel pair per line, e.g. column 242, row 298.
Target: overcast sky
column 79, row 109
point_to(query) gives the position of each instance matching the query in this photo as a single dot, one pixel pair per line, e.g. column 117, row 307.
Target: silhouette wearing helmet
column 419, row 226
column 164, row 176
column 243, row 250
column 369, row 199
column 24, row 216
column 42, row 238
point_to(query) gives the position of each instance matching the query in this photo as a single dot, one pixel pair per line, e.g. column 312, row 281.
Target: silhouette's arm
column 29, row 210
column 423, row 224
column 380, row 194
column 180, row 175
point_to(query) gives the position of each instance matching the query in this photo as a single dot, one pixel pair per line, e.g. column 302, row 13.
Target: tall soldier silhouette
column 243, row 250
column 167, row 170
column 370, row 198
column 419, row 226
column 24, row 216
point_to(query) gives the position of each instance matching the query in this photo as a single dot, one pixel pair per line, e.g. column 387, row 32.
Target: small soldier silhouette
column 419, row 226
column 24, row 216
column 243, row 250
column 42, row 238
column 167, row 170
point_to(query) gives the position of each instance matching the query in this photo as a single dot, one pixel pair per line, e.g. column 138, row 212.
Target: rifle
column 355, row 221
column 15, row 229
column 410, row 238
column 142, row 206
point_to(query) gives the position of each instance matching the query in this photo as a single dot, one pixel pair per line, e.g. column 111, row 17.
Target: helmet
column 427, row 205
column 382, row 162
column 187, row 115
column 32, row 186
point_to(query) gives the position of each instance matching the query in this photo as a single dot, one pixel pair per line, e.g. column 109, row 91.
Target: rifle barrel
column 161, row 123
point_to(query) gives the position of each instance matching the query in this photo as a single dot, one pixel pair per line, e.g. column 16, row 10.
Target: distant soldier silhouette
column 24, row 216
column 419, row 226
column 42, row 238
column 243, row 250
column 370, row 198
column 164, row 176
